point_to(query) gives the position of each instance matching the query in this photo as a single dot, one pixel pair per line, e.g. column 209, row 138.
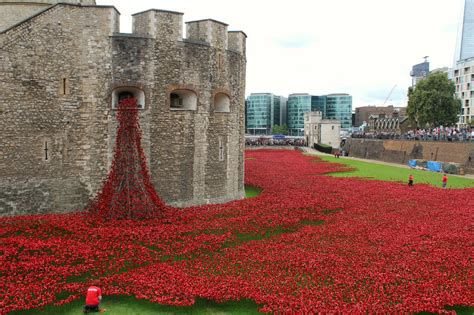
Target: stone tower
column 63, row 69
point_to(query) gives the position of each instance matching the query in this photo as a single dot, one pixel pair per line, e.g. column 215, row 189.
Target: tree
column 432, row 102
column 279, row 130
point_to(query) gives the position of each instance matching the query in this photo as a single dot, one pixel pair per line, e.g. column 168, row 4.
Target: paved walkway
column 315, row 152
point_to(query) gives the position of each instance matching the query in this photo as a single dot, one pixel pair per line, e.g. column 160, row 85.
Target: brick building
column 363, row 113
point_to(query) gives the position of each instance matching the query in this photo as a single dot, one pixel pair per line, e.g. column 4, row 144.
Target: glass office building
column 263, row 111
column 465, row 42
column 339, row 106
column 298, row 104
column 319, row 104
column 463, row 71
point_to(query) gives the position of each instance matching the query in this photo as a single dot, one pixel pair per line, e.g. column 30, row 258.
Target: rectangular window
column 176, row 103
column 64, row 87
column 46, row 151
column 221, row 149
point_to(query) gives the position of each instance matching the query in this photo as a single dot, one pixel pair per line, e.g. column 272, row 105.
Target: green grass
column 252, row 191
column 124, row 305
column 384, row 172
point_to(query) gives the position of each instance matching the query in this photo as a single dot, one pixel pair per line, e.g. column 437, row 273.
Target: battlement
column 168, row 26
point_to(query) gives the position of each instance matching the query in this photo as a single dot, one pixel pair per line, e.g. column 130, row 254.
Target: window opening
column 221, row 149
column 64, row 86
column 46, row 150
column 128, row 92
column 176, row 101
column 183, row 100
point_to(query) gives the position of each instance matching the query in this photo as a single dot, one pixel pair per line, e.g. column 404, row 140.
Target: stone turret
column 210, row 31
column 13, row 12
column 162, row 24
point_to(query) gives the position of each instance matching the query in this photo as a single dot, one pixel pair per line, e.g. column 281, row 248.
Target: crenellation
column 209, row 31
column 237, row 41
column 162, row 24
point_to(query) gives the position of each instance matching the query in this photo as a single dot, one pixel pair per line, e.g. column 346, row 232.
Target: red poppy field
column 308, row 243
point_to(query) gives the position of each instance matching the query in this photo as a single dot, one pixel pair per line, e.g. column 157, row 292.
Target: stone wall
column 54, row 79
column 15, row 11
column 59, row 71
column 399, row 151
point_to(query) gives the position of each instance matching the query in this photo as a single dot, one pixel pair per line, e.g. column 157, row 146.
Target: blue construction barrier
column 434, row 166
column 412, row 163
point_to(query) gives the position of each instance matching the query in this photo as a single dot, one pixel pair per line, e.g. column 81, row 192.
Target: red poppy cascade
column 127, row 192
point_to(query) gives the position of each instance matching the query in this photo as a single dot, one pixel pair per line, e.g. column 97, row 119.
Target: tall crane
column 389, row 94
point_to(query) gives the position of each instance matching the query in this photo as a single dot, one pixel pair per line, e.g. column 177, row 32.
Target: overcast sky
column 360, row 47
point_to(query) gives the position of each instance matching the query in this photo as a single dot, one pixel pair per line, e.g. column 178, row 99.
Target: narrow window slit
column 46, row 150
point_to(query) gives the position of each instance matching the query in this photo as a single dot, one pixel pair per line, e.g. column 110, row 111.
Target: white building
column 463, row 76
column 321, row 131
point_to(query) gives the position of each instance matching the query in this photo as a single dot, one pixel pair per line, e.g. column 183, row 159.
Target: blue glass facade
column 298, row 104
column 263, row 111
column 339, row 106
column 467, row 32
column 319, row 104
column 420, row 70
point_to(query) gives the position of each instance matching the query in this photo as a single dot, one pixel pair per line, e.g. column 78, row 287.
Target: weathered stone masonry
column 62, row 72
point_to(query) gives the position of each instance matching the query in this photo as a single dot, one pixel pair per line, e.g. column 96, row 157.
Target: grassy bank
column 385, row 172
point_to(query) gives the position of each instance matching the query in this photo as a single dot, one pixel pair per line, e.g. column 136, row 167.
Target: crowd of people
column 262, row 141
column 434, row 134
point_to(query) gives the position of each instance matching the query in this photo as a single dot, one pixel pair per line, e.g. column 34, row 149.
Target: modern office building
column 465, row 41
column 332, row 106
column 263, row 111
column 463, row 71
column 298, row 104
column 339, row 107
column 419, row 72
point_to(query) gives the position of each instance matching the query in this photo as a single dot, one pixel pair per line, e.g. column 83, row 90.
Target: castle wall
column 398, row 151
column 60, row 70
column 53, row 149
column 12, row 14
column 16, row 11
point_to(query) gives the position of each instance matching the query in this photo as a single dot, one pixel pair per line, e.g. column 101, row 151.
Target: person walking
column 410, row 180
column 445, row 181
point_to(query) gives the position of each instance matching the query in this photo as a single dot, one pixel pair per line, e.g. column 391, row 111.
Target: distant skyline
column 363, row 48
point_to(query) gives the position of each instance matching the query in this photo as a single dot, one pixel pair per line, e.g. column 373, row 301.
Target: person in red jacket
column 410, row 180
column 93, row 298
column 445, row 180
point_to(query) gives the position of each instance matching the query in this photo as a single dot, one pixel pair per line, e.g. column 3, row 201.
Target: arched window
column 125, row 92
column 222, row 103
column 183, row 100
